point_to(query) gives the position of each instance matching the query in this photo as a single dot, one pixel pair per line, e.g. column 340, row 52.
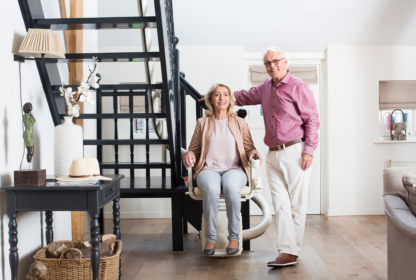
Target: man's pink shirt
column 289, row 111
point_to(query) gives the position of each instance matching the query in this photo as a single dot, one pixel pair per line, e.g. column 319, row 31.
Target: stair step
column 120, row 116
column 107, row 57
column 137, row 187
column 125, row 142
column 124, row 93
column 96, row 23
column 55, row 88
column 135, row 165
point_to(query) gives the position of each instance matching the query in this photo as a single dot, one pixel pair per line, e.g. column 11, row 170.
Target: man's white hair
column 276, row 49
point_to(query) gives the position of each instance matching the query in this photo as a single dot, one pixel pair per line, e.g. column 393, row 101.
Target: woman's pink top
column 222, row 152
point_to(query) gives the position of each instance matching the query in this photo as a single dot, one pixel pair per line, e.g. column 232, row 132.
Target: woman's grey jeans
column 210, row 182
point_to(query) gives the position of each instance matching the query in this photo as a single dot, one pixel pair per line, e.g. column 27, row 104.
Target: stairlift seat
column 244, row 191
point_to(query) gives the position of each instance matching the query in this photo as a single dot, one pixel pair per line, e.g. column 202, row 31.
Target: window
column 386, row 119
column 139, row 128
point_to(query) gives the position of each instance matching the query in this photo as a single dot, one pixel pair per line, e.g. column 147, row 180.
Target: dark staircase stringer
column 174, row 90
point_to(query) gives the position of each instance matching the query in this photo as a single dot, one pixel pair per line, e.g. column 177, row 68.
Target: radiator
column 402, row 162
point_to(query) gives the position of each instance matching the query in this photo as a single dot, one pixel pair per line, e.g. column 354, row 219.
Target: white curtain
column 397, row 95
column 308, row 74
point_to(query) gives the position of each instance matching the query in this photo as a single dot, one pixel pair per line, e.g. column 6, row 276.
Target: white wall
column 11, row 141
column 354, row 163
column 203, row 66
column 30, row 224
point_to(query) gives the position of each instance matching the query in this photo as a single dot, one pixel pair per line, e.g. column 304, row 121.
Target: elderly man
column 291, row 122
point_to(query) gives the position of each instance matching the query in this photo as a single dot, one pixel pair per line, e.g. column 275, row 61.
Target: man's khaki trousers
column 289, row 186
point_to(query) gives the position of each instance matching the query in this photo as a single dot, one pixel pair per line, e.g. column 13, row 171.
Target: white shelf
column 388, row 141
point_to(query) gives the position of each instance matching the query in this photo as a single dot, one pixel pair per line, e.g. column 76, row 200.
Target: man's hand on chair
column 306, row 162
column 258, row 157
column 189, row 159
column 202, row 99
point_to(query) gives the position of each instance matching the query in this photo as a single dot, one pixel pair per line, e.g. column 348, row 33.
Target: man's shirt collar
column 285, row 79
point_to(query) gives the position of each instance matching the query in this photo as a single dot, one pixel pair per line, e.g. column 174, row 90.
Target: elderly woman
column 221, row 147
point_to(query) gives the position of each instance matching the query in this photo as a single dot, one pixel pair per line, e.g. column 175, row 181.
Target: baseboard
column 141, row 215
column 355, row 212
column 146, row 215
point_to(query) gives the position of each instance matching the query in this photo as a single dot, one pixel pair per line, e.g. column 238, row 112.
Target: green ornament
column 29, row 123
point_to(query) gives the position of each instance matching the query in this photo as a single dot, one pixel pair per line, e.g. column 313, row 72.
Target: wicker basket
column 64, row 269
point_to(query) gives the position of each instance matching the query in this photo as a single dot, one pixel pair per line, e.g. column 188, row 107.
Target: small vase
column 68, row 144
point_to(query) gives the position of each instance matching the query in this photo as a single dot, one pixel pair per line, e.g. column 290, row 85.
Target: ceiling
column 295, row 26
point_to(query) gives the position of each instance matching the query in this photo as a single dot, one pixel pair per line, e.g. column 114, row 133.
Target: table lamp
column 41, row 44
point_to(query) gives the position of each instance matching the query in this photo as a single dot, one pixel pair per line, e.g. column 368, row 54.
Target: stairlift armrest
column 189, row 182
column 255, row 182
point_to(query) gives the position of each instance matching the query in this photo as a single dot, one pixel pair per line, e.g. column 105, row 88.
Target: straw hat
column 83, row 169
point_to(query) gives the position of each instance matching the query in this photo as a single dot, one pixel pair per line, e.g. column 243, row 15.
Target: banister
column 190, row 90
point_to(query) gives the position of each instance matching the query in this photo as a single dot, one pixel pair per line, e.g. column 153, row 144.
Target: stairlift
column 248, row 192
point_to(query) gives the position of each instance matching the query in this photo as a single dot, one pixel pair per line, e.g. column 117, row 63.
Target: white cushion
column 244, row 191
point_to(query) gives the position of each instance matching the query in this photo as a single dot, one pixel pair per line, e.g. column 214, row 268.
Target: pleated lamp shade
column 42, row 41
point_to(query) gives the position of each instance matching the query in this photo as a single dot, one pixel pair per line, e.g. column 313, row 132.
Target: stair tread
column 124, row 141
column 96, row 23
column 139, row 185
column 135, row 165
column 107, row 57
column 137, row 86
column 120, row 116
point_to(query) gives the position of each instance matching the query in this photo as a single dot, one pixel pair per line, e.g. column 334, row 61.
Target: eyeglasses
column 274, row 61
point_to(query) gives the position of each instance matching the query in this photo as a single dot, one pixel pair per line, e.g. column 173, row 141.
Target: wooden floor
column 333, row 248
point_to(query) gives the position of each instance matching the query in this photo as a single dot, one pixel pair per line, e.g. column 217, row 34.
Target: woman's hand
column 202, row 99
column 258, row 156
column 189, row 159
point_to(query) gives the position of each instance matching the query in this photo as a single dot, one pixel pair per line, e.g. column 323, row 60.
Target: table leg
column 116, row 225
column 49, row 228
column 95, row 255
column 101, row 220
column 13, row 255
column 116, row 217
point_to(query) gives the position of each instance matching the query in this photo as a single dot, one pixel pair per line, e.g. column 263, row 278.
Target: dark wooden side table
column 55, row 197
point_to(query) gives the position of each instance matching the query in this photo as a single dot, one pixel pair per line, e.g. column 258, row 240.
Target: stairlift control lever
column 187, row 182
column 255, row 162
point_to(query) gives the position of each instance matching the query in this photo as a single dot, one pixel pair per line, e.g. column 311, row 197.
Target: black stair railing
column 185, row 88
column 33, row 17
column 191, row 91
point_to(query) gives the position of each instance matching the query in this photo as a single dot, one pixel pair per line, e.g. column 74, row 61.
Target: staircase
column 173, row 94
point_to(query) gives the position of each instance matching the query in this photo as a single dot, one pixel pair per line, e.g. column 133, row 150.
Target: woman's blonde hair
column 211, row 110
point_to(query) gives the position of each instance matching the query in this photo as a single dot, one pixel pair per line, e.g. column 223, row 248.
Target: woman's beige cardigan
column 203, row 132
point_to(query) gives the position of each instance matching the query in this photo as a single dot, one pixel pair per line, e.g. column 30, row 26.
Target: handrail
column 190, row 90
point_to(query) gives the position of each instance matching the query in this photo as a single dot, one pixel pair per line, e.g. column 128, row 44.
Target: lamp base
column 30, row 178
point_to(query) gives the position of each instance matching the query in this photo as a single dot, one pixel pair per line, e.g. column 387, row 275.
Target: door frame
column 316, row 59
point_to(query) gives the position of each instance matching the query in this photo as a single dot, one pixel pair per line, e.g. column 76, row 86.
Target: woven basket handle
column 84, row 237
column 391, row 123
column 393, row 113
column 71, row 249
